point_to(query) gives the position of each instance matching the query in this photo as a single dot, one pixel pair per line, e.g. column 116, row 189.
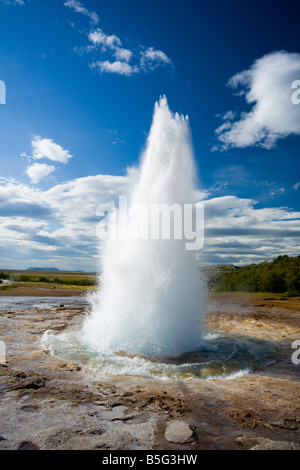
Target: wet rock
column 71, row 367
column 59, row 326
column 179, row 432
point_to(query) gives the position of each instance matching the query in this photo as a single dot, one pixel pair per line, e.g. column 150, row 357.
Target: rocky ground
column 47, row 403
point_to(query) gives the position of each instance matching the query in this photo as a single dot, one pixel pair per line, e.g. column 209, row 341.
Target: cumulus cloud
column 267, row 86
column 57, row 225
column 80, row 8
column 237, row 232
column 98, row 37
column 46, row 148
column 123, row 54
column 39, row 171
column 21, row 200
column 118, row 67
column 120, row 63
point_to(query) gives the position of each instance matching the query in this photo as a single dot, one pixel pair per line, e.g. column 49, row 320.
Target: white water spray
column 150, row 296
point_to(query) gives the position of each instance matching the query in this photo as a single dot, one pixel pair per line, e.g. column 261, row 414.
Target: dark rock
column 21, row 375
column 29, row 408
column 35, row 385
column 28, row 445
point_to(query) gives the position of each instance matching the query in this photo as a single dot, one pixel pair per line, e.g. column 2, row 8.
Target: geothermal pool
column 221, row 356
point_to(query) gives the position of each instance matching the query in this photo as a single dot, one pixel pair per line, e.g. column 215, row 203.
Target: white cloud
column 98, row 37
column 237, row 232
column 59, row 225
column 228, row 116
column 38, row 171
column 112, row 42
column 46, row 148
column 123, row 54
column 114, row 58
column 80, row 8
column 151, row 58
column 118, row 67
column 267, row 85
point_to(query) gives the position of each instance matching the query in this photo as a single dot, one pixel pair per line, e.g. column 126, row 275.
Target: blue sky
column 81, row 82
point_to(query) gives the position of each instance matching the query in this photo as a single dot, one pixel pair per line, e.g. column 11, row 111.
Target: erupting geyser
column 150, row 296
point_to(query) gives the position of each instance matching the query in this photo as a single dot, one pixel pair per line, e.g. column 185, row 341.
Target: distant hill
column 42, row 269
column 213, row 274
column 54, row 270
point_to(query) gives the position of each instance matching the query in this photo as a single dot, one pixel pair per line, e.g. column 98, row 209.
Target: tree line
column 282, row 275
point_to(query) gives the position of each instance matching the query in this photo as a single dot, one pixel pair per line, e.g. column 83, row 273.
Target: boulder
column 179, row 432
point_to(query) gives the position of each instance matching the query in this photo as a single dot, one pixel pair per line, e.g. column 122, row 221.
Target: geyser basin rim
column 223, row 356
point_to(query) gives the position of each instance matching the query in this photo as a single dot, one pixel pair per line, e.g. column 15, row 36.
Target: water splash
column 150, row 299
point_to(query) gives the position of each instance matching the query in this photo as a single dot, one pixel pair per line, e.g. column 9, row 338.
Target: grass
column 7, row 287
column 48, row 279
column 265, row 294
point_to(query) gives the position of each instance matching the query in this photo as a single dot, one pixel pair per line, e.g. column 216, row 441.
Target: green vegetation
column 7, row 287
column 282, row 275
column 4, row 276
column 49, row 277
column 75, row 282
